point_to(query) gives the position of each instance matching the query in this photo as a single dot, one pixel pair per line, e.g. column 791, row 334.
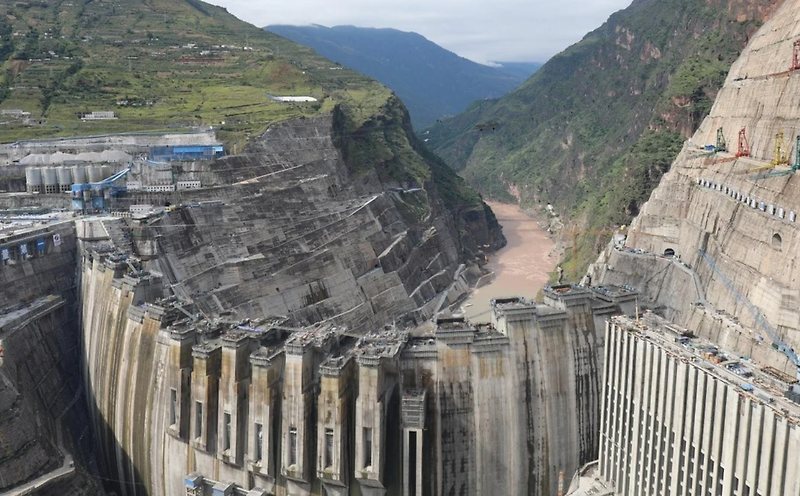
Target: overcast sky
column 481, row 30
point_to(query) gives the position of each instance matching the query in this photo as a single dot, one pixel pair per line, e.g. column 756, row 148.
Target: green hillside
column 158, row 64
column 595, row 128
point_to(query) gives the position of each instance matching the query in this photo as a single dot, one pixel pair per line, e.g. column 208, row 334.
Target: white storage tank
column 108, row 171
column 95, row 173
column 33, row 179
column 64, row 177
column 50, row 179
column 79, row 174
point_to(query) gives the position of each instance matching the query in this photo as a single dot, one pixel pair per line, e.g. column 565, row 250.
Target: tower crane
column 795, row 56
column 779, row 157
column 721, row 145
column 744, row 146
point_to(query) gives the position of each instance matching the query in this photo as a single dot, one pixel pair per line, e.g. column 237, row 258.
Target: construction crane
column 795, row 56
column 779, row 157
column 760, row 321
column 721, row 146
column 744, row 146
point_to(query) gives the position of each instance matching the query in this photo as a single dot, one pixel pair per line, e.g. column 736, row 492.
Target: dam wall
column 182, row 402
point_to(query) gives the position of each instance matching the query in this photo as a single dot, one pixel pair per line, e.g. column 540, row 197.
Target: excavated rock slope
column 732, row 222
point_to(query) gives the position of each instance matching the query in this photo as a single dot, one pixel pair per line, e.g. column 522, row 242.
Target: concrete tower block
column 223, row 489
column 298, row 427
column 263, row 452
column 233, row 386
column 194, row 484
column 205, row 387
column 179, row 375
column 334, row 425
column 370, row 427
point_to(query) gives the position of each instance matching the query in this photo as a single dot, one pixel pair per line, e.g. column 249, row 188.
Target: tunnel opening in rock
column 777, row 241
column 669, row 252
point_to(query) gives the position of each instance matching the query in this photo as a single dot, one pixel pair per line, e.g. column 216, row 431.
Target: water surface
column 521, row 268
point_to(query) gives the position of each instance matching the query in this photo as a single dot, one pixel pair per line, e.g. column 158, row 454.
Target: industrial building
column 186, row 152
column 682, row 417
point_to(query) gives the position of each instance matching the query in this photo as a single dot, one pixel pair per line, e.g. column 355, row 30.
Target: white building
column 184, row 185
column 103, row 115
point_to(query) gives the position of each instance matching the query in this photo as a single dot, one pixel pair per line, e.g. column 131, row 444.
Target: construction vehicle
column 760, row 321
column 744, row 146
column 720, row 145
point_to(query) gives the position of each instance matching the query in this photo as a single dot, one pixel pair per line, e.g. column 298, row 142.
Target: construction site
column 178, row 318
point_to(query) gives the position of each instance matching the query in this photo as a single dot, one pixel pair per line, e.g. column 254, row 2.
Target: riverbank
column 521, row 268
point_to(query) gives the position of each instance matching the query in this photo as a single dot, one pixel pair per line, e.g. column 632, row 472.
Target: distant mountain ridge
column 432, row 81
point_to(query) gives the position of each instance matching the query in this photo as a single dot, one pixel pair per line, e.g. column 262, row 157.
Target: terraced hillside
column 157, row 64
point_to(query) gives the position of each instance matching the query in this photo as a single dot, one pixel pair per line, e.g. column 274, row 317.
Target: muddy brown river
column 521, row 268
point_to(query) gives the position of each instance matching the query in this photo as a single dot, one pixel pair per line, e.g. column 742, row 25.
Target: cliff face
column 732, row 221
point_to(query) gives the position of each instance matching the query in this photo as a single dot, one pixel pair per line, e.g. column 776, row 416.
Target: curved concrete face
column 233, row 338
column 731, row 221
column 183, row 402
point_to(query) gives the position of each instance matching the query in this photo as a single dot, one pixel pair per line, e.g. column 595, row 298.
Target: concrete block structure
column 682, row 417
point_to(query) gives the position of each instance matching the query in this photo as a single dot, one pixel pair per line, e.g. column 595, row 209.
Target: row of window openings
column 259, row 435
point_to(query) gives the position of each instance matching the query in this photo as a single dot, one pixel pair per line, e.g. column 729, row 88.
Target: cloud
column 507, row 30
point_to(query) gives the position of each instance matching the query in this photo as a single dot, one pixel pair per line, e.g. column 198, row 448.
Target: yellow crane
column 780, row 156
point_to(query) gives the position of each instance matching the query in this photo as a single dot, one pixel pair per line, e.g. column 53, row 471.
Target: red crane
column 744, row 146
column 795, row 56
